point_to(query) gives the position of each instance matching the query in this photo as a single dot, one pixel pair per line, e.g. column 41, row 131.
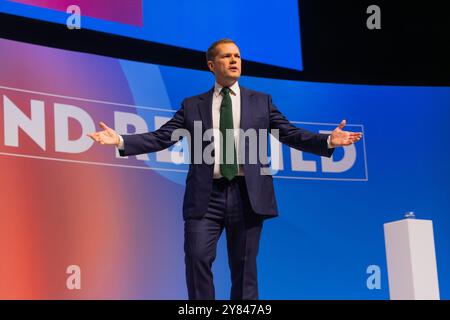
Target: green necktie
column 228, row 165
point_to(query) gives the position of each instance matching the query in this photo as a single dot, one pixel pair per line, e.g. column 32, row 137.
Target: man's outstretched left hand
column 341, row 138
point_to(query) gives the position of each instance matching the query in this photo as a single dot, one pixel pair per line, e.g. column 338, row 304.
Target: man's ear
column 211, row 66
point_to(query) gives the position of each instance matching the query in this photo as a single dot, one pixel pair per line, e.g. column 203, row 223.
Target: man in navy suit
column 231, row 192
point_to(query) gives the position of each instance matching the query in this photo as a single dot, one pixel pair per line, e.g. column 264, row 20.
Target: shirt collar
column 234, row 89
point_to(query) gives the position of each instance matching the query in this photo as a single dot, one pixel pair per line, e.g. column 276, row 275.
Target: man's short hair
column 212, row 50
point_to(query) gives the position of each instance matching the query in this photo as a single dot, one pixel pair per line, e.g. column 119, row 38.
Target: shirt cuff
column 121, row 145
column 329, row 142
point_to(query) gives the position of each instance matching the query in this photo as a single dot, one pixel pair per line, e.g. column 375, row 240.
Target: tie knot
column 225, row 91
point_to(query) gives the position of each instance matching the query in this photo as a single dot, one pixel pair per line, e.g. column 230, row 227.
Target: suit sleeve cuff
column 121, row 145
column 329, row 142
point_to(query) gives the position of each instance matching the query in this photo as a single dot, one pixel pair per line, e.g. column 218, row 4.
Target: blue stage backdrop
column 330, row 228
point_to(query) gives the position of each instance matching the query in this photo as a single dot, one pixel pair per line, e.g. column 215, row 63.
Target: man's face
column 227, row 64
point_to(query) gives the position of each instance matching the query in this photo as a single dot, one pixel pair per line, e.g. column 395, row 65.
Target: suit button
column 213, row 153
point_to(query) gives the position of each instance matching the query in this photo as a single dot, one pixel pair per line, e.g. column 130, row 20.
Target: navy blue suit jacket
column 257, row 112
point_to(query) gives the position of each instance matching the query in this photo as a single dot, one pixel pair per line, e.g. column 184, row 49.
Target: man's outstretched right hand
column 107, row 136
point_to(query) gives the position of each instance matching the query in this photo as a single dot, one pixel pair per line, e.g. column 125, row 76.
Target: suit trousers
column 230, row 209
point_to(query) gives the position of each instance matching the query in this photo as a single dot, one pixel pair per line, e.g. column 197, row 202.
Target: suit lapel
column 245, row 108
column 205, row 106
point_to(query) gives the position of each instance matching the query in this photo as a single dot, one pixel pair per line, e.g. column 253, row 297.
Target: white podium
column 411, row 260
